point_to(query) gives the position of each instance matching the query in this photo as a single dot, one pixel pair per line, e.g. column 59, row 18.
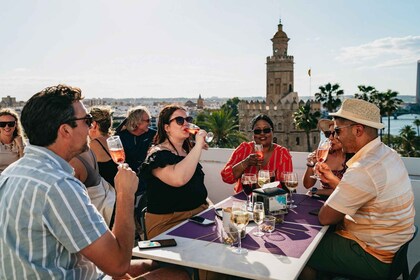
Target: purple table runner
column 290, row 238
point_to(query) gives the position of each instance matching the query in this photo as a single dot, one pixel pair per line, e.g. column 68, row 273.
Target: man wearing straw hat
column 372, row 205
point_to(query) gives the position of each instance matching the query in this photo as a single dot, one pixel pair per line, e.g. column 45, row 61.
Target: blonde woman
column 11, row 141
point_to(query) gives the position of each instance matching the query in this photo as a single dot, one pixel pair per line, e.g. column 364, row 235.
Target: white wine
column 239, row 218
column 262, row 181
column 291, row 185
column 258, row 216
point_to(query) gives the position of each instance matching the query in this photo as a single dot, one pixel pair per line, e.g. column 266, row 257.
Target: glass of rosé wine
column 322, row 153
column 258, row 148
column 193, row 129
column 116, row 149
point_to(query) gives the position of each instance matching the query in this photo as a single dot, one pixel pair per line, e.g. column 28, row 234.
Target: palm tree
column 232, row 105
column 329, row 96
column 416, row 122
column 366, row 93
column 390, row 105
column 306, row 120
column 224, row 127
column 407, row 147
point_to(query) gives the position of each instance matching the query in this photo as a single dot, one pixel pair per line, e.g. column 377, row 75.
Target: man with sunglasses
column 372, row 205
column 49, row 227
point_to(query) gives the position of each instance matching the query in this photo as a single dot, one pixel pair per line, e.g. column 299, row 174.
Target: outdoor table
column 281, row 254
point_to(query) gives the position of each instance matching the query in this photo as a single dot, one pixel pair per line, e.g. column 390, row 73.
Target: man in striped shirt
column 49, row 228
column 373, row 204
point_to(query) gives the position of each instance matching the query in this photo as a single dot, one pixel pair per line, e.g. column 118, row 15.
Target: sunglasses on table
column 9, row 124
column 88, row 119
column 182, row 120
column 265, row 130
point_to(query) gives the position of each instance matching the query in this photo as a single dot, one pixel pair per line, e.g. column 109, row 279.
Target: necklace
column 7, row 147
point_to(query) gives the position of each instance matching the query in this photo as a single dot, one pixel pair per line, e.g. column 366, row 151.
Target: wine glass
column 272, row 175
column 249, row 183
column 291, row 182
column 193, row 129
column 258, row 148
column 263, row 177
column 116, row 149
column 258, row 215
column 322, row 153
column 240, row 219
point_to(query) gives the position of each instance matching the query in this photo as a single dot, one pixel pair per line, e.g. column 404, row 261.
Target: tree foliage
column 306, row 120
column 330, row 96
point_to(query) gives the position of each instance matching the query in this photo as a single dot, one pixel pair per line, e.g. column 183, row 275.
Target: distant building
column 8, row 101
column 281, row 100
column 200, row 102
column 190, row 104
column 418, row 83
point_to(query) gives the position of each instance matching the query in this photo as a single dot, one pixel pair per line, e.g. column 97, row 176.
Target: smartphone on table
column 150, row 244
column 201, row 220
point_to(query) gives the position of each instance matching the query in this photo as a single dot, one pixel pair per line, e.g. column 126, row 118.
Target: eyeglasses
column 181, row 120
column 338, row 128
column 265, row 130
column 9, row 124
column 88, row 119
column 329, row 133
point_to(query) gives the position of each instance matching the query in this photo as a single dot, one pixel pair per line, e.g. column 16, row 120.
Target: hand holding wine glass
column 116, row 149
column 194, row 129
column 322, row 153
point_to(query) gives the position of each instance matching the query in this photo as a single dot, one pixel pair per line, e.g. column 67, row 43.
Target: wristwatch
column 314, row 190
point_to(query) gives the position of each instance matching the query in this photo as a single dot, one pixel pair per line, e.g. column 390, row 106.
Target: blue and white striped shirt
column 46, row 218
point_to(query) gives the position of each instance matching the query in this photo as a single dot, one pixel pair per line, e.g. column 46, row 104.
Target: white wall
column 214, row 160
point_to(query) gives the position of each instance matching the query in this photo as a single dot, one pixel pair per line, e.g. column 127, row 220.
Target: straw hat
column 324, row 124
column 360, row 111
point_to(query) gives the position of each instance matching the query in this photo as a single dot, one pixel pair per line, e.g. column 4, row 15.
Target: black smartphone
column 150, row 244
column 201, row 220
column 314, row 212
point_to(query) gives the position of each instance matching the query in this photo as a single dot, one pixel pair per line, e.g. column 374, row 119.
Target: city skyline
column 130, row 49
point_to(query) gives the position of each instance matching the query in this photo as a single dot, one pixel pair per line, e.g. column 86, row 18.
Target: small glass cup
column 269, row 224
column 230, row 236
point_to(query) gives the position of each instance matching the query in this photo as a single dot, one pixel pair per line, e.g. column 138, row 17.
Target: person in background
column 372, row 205
column 101, row 193
column 244, row 159
column 49, row 227
column 11, row 141
column 98, row 133
column 174, row 176
column 336, row 160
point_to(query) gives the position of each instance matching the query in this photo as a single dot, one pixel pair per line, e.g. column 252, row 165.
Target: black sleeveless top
column 163, row 198
column 107, row 169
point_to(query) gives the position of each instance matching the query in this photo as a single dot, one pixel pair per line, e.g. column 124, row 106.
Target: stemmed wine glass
column 116, row 149
column 193, row 129
column 240, row 219
column 291, row 182
column 322, row 153
column 249, row 183
column 263, row 177
column 258, row 216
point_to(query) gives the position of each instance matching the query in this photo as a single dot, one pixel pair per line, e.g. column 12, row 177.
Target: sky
column 183, row 48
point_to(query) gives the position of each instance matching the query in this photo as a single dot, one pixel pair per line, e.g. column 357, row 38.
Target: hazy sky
column 182, row 48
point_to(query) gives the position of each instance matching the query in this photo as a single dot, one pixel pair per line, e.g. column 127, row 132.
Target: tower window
column 297, row 141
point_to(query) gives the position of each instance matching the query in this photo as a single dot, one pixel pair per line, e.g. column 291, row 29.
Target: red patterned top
column 280, row 161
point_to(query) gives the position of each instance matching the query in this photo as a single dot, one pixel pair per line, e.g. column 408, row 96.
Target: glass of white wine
column 263, row 177
column 258, row 216
column 240, row 219
column 291, row 182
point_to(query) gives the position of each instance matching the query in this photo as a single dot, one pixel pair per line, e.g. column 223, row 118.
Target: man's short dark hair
column 46, row 111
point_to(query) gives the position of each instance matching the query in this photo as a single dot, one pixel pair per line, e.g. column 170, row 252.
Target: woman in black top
column 98, row 133
column 174, row 178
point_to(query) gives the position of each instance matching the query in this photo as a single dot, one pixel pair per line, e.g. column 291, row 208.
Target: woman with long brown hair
column 174, row 178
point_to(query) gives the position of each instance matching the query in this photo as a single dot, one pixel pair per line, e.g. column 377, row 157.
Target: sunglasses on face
column 181, row 120
column 88, row 119
column 329, row 133
column 9, row 124
column 259, row 131
column 338, row 128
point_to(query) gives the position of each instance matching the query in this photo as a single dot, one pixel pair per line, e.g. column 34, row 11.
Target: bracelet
column 310, row 165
